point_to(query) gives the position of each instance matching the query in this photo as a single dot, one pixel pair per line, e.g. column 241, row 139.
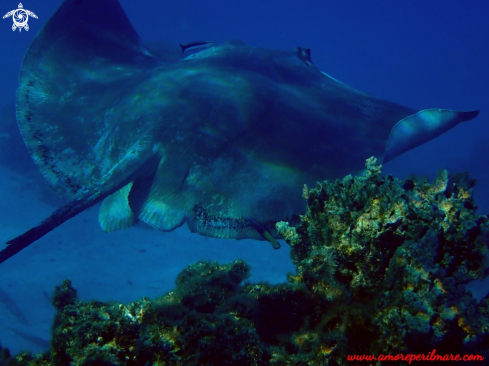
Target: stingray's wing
column 415, row 130
column 76, row 70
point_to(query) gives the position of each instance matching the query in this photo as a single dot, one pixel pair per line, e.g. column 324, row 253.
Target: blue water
column 416, row 53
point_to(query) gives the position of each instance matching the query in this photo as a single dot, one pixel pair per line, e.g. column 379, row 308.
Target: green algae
column 381, row 268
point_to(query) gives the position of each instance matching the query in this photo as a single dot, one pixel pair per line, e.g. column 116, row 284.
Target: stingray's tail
column 56, row 219
column 73, row 208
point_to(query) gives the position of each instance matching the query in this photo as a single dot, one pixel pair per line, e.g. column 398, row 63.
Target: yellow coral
column 462, row 323
column 439, row 285
column 325, row 349
column 372, row 167
column 305, row 192
column 463, row 194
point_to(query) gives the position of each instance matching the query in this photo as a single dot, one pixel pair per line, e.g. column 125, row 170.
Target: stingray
column 223, row 139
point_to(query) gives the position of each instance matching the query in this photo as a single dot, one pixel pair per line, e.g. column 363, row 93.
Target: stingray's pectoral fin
column 115, row 212
column 155, row 199
column 422, row 127
column 164, row 207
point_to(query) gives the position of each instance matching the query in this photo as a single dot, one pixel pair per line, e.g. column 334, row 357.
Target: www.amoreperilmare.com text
column 431, row 356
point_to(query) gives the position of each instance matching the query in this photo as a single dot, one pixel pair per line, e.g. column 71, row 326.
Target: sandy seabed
column 121, row 266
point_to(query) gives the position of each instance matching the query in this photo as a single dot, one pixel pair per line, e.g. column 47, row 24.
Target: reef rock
column 389, row 259
column 381, row 269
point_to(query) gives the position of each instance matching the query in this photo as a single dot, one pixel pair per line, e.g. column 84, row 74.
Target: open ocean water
column 422, row 54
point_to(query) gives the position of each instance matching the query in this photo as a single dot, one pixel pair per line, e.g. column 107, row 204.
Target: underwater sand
column 121, row 266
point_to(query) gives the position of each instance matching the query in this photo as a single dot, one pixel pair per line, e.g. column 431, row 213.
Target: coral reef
column 381, row 269
column 391, row 259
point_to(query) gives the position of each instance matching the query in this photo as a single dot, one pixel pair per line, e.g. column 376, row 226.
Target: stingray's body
column 230, row 133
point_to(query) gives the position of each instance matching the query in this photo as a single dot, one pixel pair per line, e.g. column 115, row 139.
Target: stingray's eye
column 305, row 55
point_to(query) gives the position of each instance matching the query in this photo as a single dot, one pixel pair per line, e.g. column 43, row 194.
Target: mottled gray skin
column 231, row 132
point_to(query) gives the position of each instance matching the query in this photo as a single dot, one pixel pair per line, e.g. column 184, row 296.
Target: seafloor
column 381, row 268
